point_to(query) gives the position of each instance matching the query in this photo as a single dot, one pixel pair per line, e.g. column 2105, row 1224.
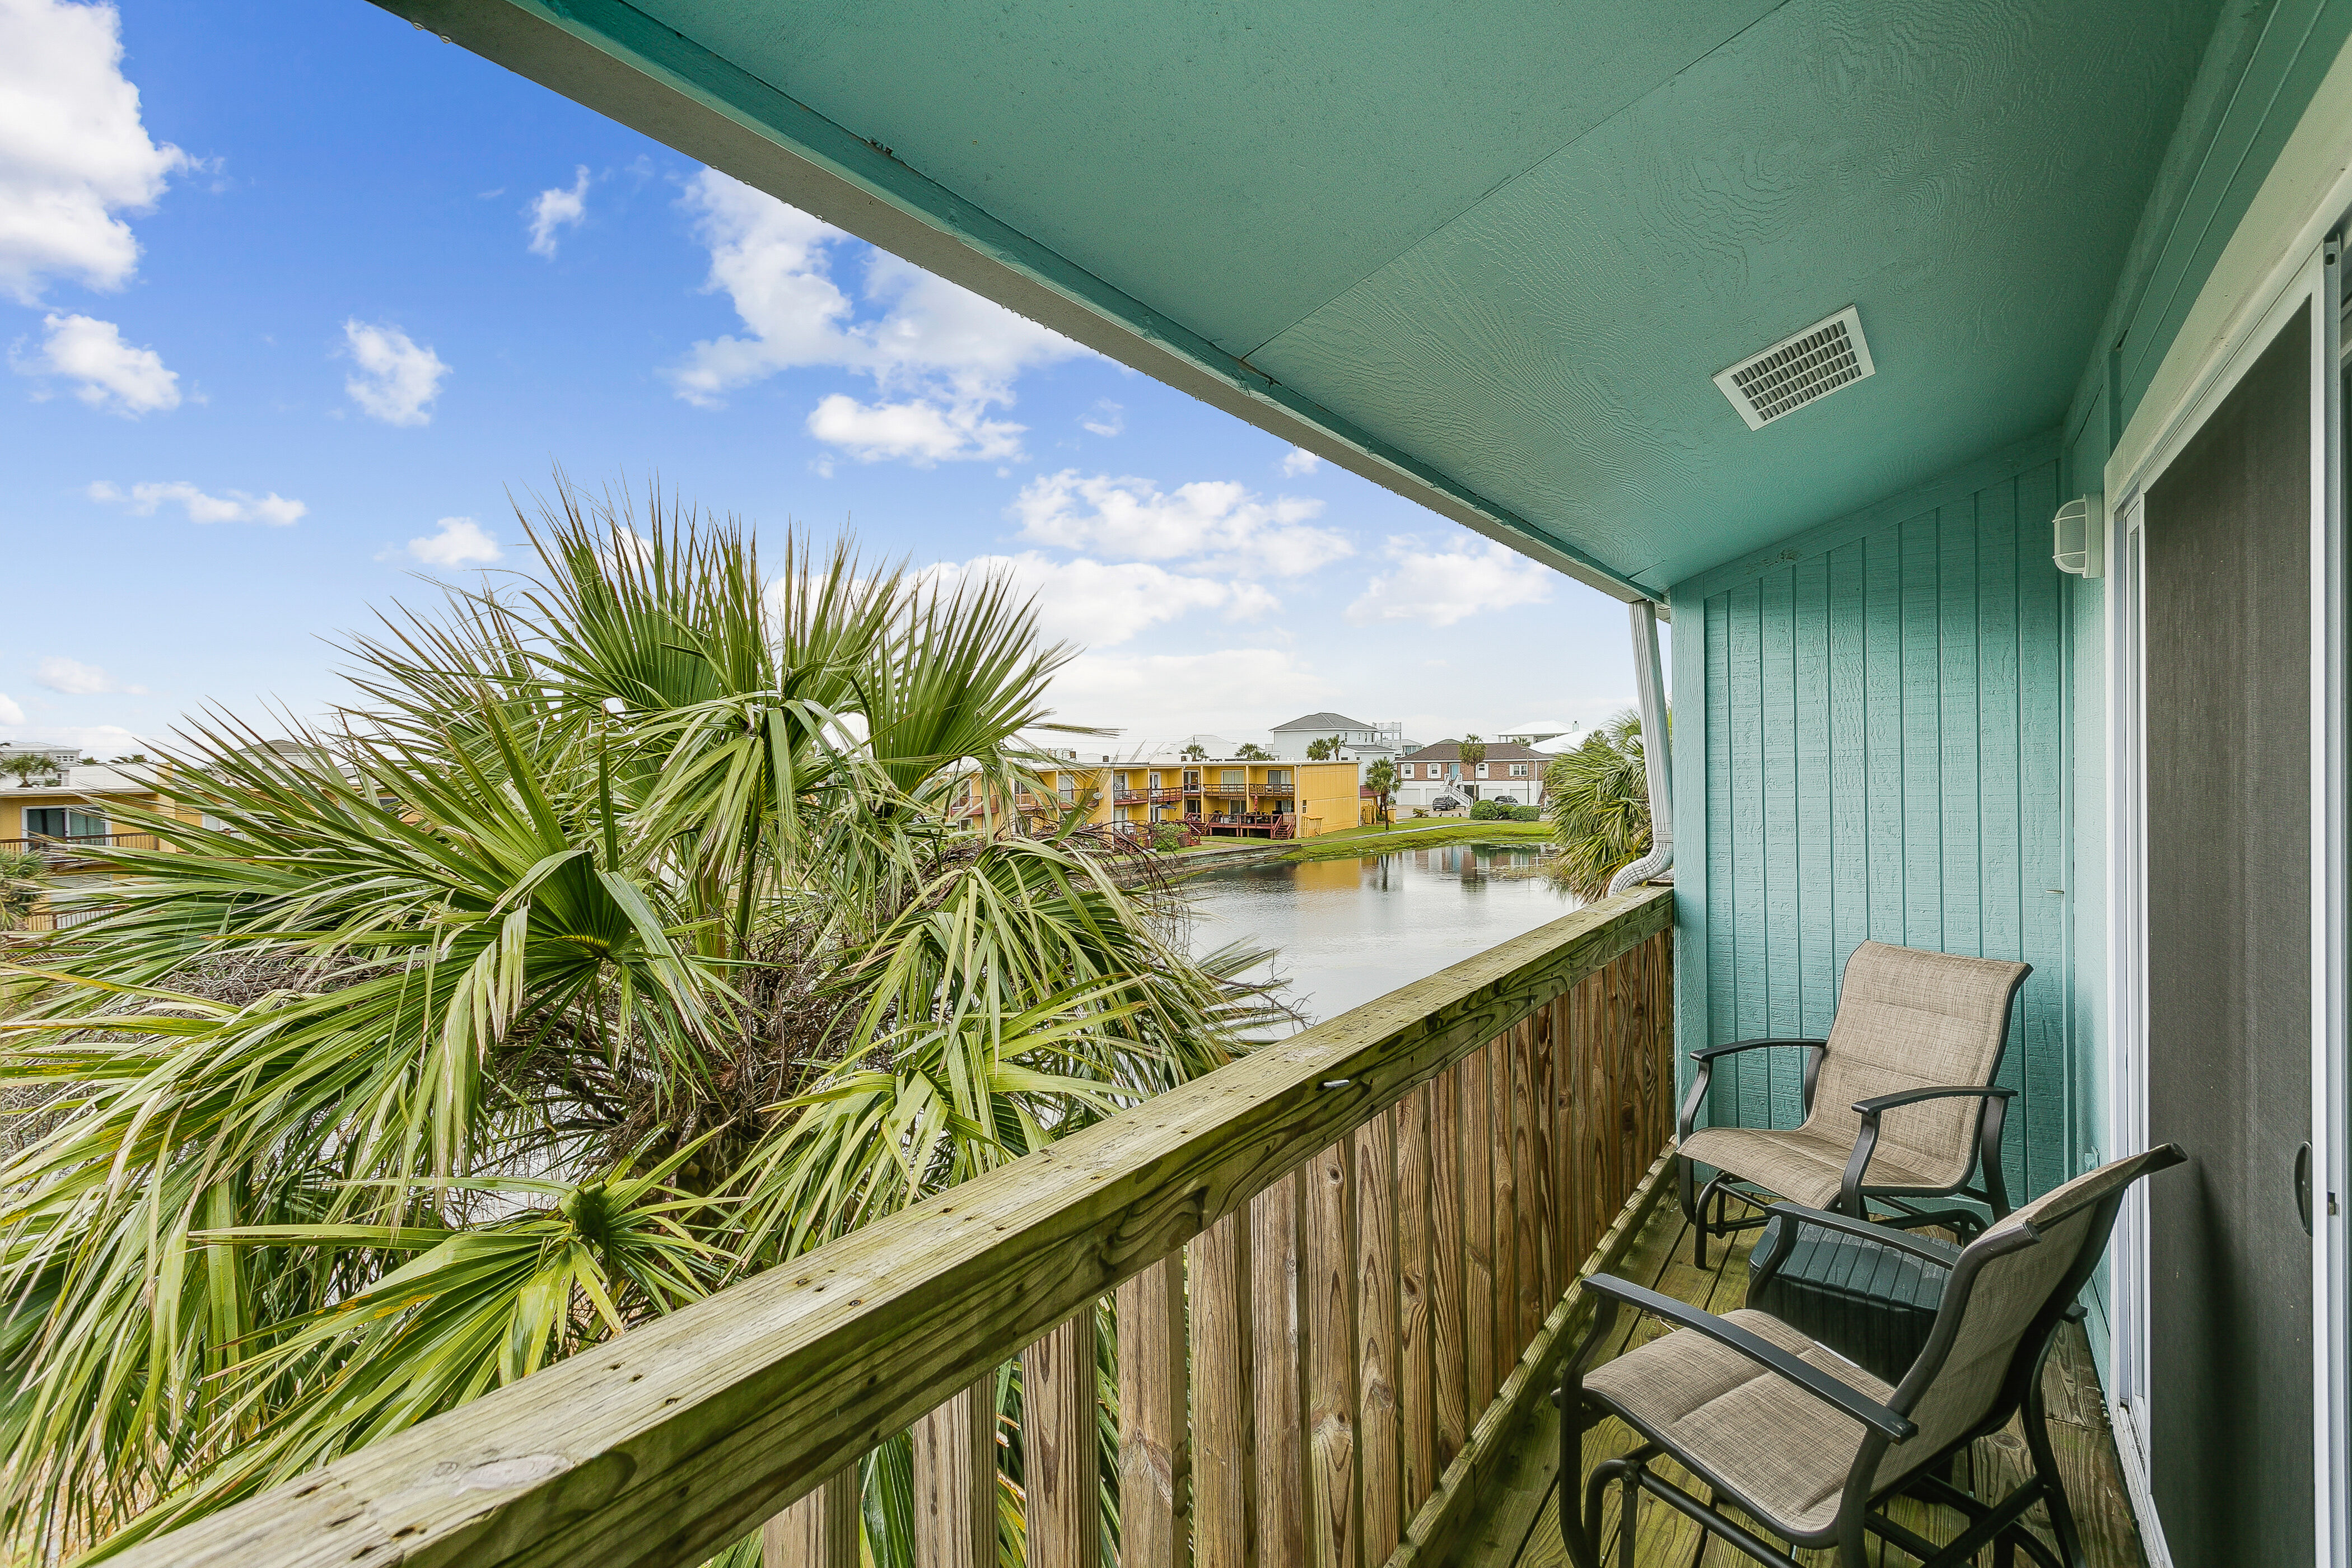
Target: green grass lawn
column 1411, row 834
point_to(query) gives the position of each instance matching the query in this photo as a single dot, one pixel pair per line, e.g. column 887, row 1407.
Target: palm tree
column 1251, row 751
column 1599, row 800
column 625, row 954
column 1381, row 778
column 28, row 766
column 1196, row 752
column 1324, row 750
column 24, row 878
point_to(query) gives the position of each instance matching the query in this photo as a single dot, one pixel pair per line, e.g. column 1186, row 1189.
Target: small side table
column 1872, row 1305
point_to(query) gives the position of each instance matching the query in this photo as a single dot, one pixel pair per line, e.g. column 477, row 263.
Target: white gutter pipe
column 1650, row 689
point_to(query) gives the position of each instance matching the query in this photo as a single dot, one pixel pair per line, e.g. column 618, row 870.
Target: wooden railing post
column 1416, row 1366
column 1058, row 1466
column 1326, row 1288
column 818, row 1532
column 955, row 1480
column 1473, row 1124
column 1446, row 1312
column 1225, row 1461
column 1380, row 1443
column 1278, row 1355
column 1154, row 1468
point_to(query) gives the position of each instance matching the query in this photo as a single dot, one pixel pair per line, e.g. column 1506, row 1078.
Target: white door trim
column 2315, row 282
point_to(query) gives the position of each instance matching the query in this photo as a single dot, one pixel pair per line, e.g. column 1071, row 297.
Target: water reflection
column 1349, row 931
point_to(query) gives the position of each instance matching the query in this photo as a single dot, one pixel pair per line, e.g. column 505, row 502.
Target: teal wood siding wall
column 1883, row 749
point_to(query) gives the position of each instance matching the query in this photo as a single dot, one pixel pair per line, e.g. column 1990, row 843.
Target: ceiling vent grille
column 1799, row 370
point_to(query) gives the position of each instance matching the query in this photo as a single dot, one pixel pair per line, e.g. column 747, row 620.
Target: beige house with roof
column 1431, row 775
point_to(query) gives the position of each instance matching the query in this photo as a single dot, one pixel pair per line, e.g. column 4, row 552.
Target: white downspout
column 1650, row 689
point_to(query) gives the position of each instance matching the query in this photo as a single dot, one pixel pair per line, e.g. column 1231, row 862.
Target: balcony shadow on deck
column 1520, row 1511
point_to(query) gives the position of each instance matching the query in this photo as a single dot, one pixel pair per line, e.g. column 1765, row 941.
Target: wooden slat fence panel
column 818, row 1532
column 1224, row 1465
column 955, row 1480
column 1416, row 1363
column 1061, row 1470
column 1381, row 1443
column 1154, row 1432
column 1326, row 1281
column 1321, row 1346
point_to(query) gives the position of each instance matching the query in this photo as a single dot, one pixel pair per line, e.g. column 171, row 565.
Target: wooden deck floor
column 1521, row 1524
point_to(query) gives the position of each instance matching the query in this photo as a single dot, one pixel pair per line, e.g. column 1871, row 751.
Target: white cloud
column 398, row 378
column 10, row 713
column 558, row 209
column 235, row 506
column 113, row 375
column 1300, row 462
column 1214, row 520
column 73, row 152
column 76, row 679
column 460, row 543
column 1225, row 691
column 1108, row 420
column 1097, row 604
column 1438, row 588
column 918, row 431
column 932, row 347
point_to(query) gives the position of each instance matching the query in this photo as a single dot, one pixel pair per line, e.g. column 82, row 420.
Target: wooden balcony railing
column 65, row 845
column 1341, row 1273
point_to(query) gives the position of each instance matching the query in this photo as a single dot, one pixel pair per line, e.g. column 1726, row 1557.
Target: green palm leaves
column 1597, row 797
column 608, row 946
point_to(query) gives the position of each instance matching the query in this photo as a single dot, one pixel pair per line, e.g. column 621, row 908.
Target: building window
column 1229, row 778
column 1481, row 769
column 62, row 822
column 1518, row 770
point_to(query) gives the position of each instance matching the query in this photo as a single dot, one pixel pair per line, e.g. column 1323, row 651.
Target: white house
column 1359, row 742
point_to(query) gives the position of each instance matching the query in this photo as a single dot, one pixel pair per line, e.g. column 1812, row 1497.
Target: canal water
column 1348, row 930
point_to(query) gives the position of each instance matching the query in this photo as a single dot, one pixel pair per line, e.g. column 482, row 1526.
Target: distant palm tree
column 27, row 767
column 627, row 953
column 1380, row 778
column 1324, row 750
column 1251, row 751
column 1196, row 752
column 24, row 878
column 1597, row 797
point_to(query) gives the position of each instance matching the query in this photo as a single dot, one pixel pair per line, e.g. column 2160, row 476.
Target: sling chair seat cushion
column 1784, row 1452
column 1800, row 1166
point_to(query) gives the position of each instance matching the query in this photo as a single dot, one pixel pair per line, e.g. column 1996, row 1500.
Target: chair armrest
column 1763, row 1352
column 1709, row 1053
column 1862, row 1230
column 1877, row 1105
column 1705, row 1058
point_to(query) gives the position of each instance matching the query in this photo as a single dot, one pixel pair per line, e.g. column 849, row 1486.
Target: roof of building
column 1497, row 752
column 1325, row 721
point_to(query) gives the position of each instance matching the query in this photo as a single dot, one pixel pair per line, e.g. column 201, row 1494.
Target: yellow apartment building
column 66, row 809
column 1221, row 797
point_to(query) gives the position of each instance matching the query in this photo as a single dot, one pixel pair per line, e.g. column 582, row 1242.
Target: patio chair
column 1919, row 1032
column 1809, row 1445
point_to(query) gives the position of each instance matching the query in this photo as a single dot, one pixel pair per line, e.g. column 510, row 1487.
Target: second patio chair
column 1916, row 1034
column 1810, row 1445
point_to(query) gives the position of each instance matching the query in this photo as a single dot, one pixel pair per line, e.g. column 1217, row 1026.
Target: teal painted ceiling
column 1516, row 241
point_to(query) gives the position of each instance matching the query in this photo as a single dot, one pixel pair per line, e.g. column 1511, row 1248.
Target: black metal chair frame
column 1853, row 1197
column 1859, row 1511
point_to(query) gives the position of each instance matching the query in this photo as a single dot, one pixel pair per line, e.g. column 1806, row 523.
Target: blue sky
column 294, row 296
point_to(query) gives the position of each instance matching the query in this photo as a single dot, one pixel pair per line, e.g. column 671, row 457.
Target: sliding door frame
column 2315, row 280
